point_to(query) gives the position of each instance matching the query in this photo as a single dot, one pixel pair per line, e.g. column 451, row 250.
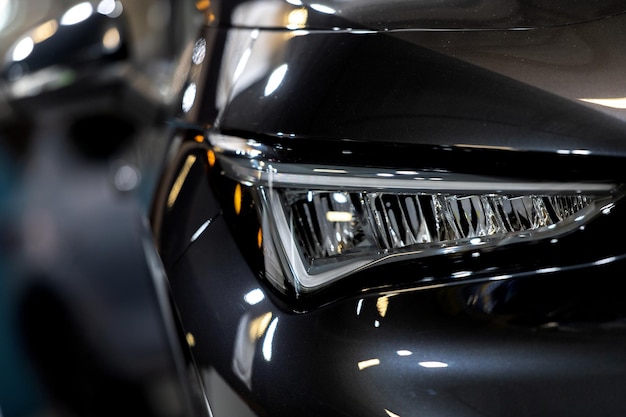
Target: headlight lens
column 322, row 223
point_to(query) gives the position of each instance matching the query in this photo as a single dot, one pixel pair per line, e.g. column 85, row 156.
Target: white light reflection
column 189, row 97
column 110, row 8
column 391, row 414
column 23, row 49
column 548, row 270
column 323, row 8
column 6, row 13
column 200, row 230
column 241, row 65
column 199, row 51
column 77, row 14
column 614, row 103
column 573, row 151
column 339, row 216
column 340, row 198
column 368, row 363
column 269, row 338
column 126, row 178
column 359, row 306
column 276, row 78
column 500, row 277
column 254, row 297
column 461, row 274
column 607, row 209
column 605, row 261
column 433, row 364
column 330, row 171
column 404, row 352
column 106, row 7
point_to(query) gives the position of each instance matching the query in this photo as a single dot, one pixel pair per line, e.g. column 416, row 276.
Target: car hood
column 420, row 15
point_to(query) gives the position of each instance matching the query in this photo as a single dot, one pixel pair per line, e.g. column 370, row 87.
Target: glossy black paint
column 538, row 341
column 383, row 89
column 403, row 14
column 526, row 329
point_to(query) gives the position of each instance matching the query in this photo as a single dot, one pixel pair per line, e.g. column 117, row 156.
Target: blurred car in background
column 314, row 208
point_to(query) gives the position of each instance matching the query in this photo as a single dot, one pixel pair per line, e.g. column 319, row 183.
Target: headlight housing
column 323, row 223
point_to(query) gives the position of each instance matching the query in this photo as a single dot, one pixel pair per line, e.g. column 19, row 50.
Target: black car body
column 393, row 208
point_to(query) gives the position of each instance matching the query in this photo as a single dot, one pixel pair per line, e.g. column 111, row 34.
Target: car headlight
column 322, row 223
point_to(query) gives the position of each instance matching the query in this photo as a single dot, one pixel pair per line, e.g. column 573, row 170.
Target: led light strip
column 356, row 179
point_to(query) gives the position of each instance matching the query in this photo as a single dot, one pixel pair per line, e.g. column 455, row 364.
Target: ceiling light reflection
column 258, row 326
column 254, row 297
column 191, row 340
column 605, row 261
column 607, row 209
column 275, row 79
column 199, row 51
column 338, row 216
column 573, row 151
column 241, row 65
column 330, row 171
column 368, row 363
column 77, row 14
column 111, row 39
column 44, row 31
column 500, row 277
column 433, row 364
column 23, row 49
column 109, row 7
column 548, row 270
column 269, row 338
column 359, row 306
column 189, row 97
column 296, row 19
column 615, row 103
column 404, row 352
column 322, row 8
column 200, row 230
column 382, row 304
